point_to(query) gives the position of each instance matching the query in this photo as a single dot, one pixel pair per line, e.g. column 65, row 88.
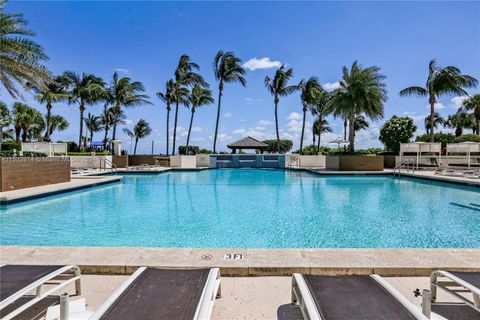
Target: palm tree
column 200, row 96
column 440, row 81
column 140, row 130
column 185, row 76
column 20, row 57
column 227, row 69
column 85, row 89
column 360, row 123
column 168, row 98
column 24, row 119
column 362, row 91
column 123, row 92
column 57, row 123
column 459, row 121
column 437, row 120
column 107, row 121
column 5, row 120
column 473, row 104
column 49, row 93
column 320, row 126
column 93, row 124
column 308, row 90
column 321, row 107
column 278, row 88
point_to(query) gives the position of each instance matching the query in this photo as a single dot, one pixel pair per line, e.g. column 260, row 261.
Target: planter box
column 20, row 173
column 185, row 162
column 354, row 163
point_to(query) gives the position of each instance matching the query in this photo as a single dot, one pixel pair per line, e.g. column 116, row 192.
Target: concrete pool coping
column 250, row 262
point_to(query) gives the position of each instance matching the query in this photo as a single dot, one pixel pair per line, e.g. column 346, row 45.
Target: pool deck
column 250, row 262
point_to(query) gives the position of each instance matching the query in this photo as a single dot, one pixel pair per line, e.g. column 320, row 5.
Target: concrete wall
column 354, row 163
column 305, row 161
column 96, row 162
column 185, row 162
column 120, row 161
column 140, row 159
column 203, row 160
column 19, row 173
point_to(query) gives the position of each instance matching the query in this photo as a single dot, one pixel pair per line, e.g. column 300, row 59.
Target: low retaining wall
column 303, row 161
column 20, row 173
column 96, row 162
column 120, row 161
column 354, row 163
column 141, row 159
column 185, row 162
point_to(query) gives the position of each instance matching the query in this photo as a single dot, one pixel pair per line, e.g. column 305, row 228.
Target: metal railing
column 106, row 164
column 408, row 164
column 294, row 163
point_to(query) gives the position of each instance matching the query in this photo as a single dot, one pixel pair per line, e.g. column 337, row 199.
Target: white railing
column 408, row 164
column 294, row 163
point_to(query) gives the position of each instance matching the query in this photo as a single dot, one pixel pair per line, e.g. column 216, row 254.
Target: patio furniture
column 350, row 297
column 17, row 281
column 152, row 293
column 457, row 282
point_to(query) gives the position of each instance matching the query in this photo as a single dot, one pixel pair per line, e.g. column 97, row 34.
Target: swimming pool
column 253, row 208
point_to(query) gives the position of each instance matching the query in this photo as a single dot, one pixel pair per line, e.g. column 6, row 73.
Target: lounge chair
column 458, row 282
column 350, row 297
column 152, row 293
column 17, row 282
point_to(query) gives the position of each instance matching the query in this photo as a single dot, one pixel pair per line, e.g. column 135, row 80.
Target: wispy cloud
column 294, row 116
column 264, row 123
column 457, row 102
column 438, row 106
column 228, row 114
column 262, row 63
column 330, row 86
column 122, row 70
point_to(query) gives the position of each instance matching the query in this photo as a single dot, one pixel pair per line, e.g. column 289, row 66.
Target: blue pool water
column 251, row 208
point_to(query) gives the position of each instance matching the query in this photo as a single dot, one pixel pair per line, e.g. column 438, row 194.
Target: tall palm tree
column 93, row 124
column 199, row 97
column 51, row 92
column 168, row 98
column 278, row 88
column 107, row 121
column 57, row 123
column 20, row 57
column 437, row 120
column 440, row 81
column 360, row 123
column 227, row 68
column 362, row 91
column 460, row 121
column 185, row 76
column 473, row 104
column 308, row 88
column 24, row 119
column 319, row 127
column 5, row 120
column 85, row 89
column 123, row 92
column 320, row 108
column 140, row 130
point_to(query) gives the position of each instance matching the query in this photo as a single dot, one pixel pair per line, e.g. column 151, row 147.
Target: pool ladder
column 408, row 164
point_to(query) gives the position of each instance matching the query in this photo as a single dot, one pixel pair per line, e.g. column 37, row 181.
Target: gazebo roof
column 248, row 143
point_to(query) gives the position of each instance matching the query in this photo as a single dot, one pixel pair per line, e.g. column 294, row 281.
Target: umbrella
column 338, row 142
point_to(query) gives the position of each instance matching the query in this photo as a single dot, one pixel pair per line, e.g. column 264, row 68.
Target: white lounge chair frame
column 302, row 297
column 210, row 292
column 64, row 274
column 454, row 282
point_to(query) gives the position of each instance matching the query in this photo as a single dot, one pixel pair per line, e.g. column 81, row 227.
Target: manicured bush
column 468, row 138
column 395, row 131
column 26, row 154
column 192, row 150
column 444, row 138
column 285, row 145
column 11, row 145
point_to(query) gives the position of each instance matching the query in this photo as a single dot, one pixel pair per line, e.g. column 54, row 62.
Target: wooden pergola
column 248, row 143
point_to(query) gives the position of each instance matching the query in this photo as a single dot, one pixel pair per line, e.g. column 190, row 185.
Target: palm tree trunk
column 318, row 147
column 351, row 135
column 135, row 149
column 49, row 117
column 116, row 115
column 91, row 137
column 432, row 121
column 168, row 129
column 220, row 89
column 105, row 138
column 190, row 129
column 313, row 143
column 82, row 109
column 303, row 127
column 345, row 127
column 17, row 133
column 24, row 134
column 276, row 125
column 1, row 137
column 175, row 128
column 478, row 125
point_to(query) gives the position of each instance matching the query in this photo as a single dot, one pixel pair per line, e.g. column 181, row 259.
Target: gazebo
column 248, row 143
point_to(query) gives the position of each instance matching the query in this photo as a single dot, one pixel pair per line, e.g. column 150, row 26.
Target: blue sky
column 145, row 39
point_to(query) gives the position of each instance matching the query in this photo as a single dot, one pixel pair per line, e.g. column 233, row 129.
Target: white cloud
column 128, row 122
column 222, row 137
column 239, row 131
column 264, row 123
column 262, row 63
column 197, row 129
column 252, row 101
column 457, row 102
column 438, row 106
column 228, row 115
column 294, row 116
column 198, row 139
column 330, row 86
column 122, row 70
column 296, row 125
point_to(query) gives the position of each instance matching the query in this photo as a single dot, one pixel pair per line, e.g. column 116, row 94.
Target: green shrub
column 395, row 131
column 27, row 154
column 312, row 150
column 285, row 145
column 468, row 138
column 366, row 152
column 444, row 138
column 11, row 145
column 192, row 150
